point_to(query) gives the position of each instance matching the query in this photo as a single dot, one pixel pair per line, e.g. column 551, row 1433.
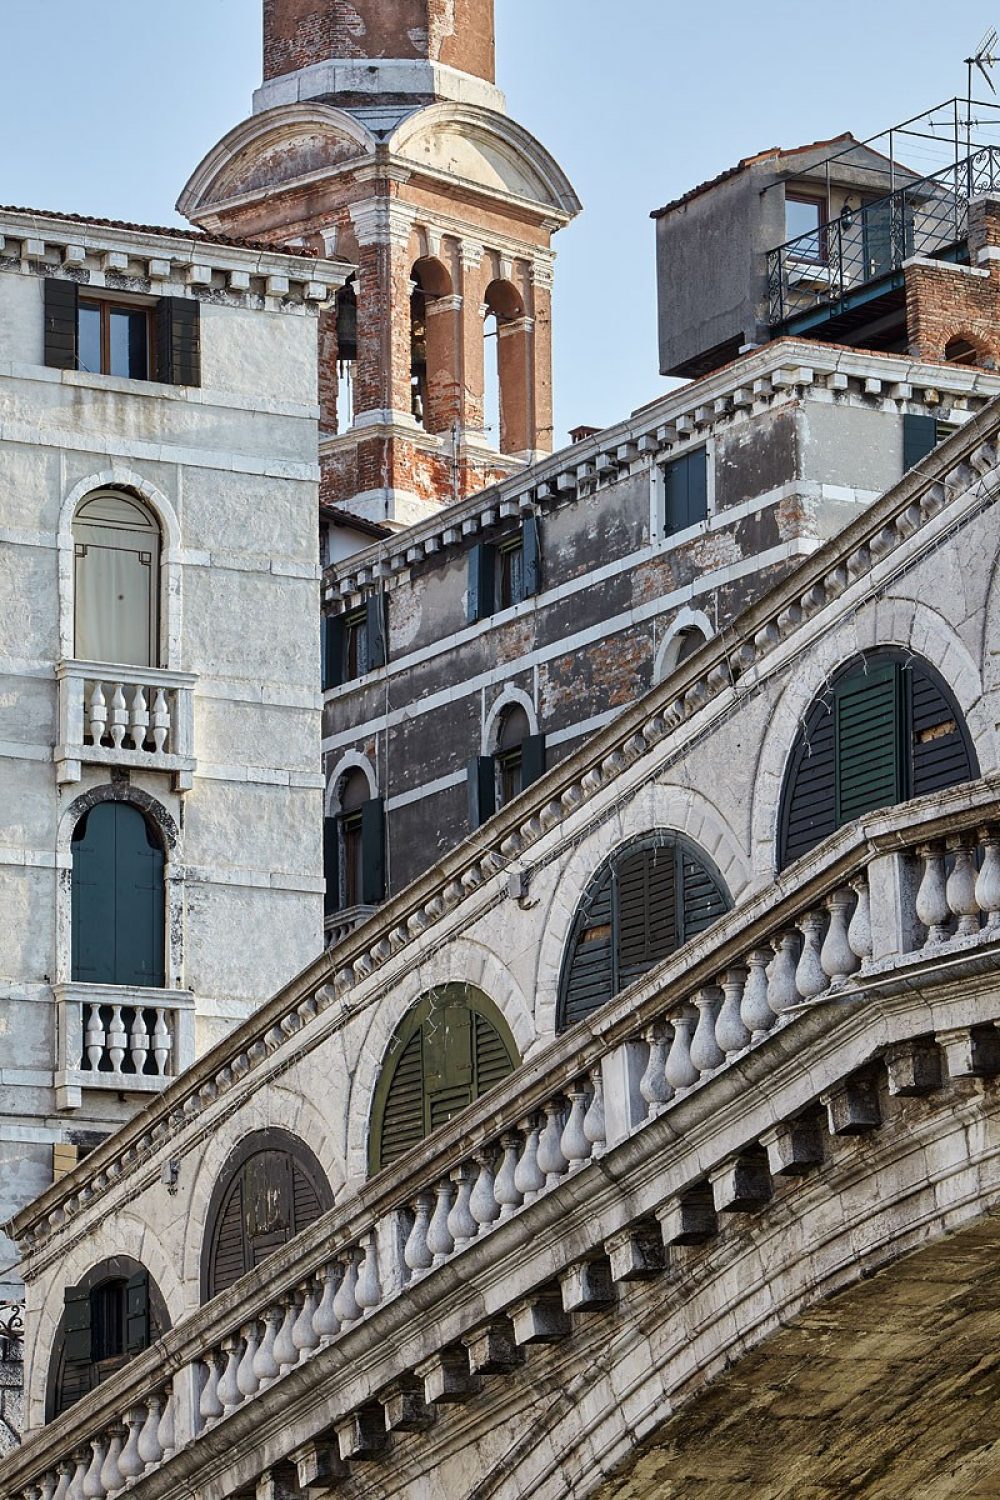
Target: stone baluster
column 988, row 880
column 165, row 1432
column 139, row 1040
column 836, row 956
column 932, row 906
column 117, row 1038
column 139, row 718
column 755, row 1012
column 98, row 717
column 573, row 1142
column 416, row 1252
column 782, row 992
column 265, row 1366
column 112, row 1477
column 529, row 1179
column 149, row 1438
column 483, row 1203
column 960, row 887
column 439, row 1239
column 92, row 1486
column 345, row 1304
column 326, row 1323
column 229, row 1392
column 731, row 1032
column 680, row 1071
column 161, row 721
column 810, row 980
column 161, row 1042
column 369, row 1289
column 706, row 1054
column 209, row 1405
column 95, row 1038
column 65, row 1471
column 594, row 1125
column 130, row 1463
column 82, row 1461
column 551, row 1160
column 859, row 929
column 653, row 1085
column 285, row 1351
column 246, row 1378
column 461, row 1225
column 119, row 716
column 304, row 1335
column 505, row 1189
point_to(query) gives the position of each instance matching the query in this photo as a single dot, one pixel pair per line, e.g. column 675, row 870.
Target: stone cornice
column 855, row 565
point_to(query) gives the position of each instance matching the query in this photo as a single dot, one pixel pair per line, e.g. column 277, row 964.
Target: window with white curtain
column 116, row 580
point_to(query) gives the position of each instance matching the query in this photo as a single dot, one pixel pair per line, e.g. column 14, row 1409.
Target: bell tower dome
column 379, row 136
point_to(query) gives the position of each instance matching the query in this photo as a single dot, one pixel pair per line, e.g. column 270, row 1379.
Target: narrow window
column 107, row 1321
column 804, row 219
column 510, row 572
column 355, row 645
column 117, row 898
column 685, row 491
column 116, row 578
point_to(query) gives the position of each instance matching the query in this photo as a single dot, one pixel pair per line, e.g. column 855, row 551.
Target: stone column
column 517, row 427
column 473, row 313
column 541, row 295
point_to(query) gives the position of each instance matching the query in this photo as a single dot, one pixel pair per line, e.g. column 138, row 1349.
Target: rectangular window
column 505, row 572
column 510, row 573
column 107, row 1321
column 355, row 645
column 804, row 220
column 685, row 491
column 353, row 859
column 114, row 339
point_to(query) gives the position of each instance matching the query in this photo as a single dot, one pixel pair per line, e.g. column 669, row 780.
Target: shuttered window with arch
column 648, row 898
column 271, row 1188
column 115, row 1312
column 886, row 729
column 451, row 1047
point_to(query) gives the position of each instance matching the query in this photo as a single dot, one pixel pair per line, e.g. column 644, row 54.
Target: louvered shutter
column 229, row 1249
column 481, row 773
column 178, row 341
column 137, row 1313
column 868, row 741
column 77, row 1329
column 919, row 439
column 306, row 1207
column 377, row 634
column 449, row 1076
column 61, row 339
column 331, row 867
column 703, row 901
column 531, row 558
column 647, row 927
column 588, row 974
column 402, row 1124
column 809, row 800
column 941, row 757
column 532, row 759
column 492, row 1060
column 332, row 665
column 373, row 851
column 482, row 568
column 139, row 900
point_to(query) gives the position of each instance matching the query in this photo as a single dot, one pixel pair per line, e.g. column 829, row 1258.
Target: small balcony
column 121, row 1038
column 339, row 925
column 136, row 717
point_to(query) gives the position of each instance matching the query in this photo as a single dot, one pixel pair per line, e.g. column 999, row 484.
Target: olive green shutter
column 229, row 1242
column 117, row 899
column 448, row 1066
column 137, row 1313
column 482, row 570
column 61, row 340
column 868, row 711
column 587, row 979
column 646, row 913
column 402, row 1124
column 373, row 851
column 808, row 811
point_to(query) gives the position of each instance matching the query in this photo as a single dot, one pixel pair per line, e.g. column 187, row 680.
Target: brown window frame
column 820, row 259
column 108, row 305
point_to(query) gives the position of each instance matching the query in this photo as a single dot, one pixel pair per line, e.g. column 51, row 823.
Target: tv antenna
column 984, row 58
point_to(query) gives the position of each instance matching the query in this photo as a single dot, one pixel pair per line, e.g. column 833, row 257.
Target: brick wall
column 947, row 304
column 298, row 33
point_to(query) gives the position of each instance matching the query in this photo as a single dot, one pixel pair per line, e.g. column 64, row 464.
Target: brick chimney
column 456, row 33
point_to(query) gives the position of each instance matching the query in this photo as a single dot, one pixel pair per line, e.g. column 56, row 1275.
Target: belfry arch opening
column 506, row 369
column 433, row 346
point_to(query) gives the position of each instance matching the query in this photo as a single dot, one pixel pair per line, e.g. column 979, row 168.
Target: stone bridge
column 736, row 1232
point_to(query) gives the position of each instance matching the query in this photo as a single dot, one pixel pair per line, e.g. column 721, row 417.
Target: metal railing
column 11, row 1332
column 859, row 246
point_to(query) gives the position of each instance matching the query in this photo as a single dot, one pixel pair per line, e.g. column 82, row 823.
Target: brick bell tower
column 379, row 136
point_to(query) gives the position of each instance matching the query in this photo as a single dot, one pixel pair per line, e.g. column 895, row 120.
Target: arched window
column 452, row 1047
column 118, row 898
column 683, row 644
column 506, row 361
column 517, row 761
column 961, row 351
column 354, row 847
column 514, row 730
column 271, row 1188
column 651, row 896
column 886, row 729
column 433, row 349
column 115, row 1312
column 116, row 581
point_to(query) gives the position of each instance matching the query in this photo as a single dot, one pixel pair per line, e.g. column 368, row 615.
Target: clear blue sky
column 107, row 108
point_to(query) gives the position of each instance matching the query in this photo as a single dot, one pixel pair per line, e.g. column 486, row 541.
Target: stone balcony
column 141, row 718
column 121, row 1038
column 799, row 1020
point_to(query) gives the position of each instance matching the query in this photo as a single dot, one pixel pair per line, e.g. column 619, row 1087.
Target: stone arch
column 671, row 650
column 435, row 344
column 962, row 346
column 904, row 623
column 173, row 874
column 508, row 368
column 509, row 698
column 462, row 960
column 351, row 760
column 119, row 477
column 677, row 809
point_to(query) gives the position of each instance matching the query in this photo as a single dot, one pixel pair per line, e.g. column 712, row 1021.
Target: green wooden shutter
column 61, row 339
column 178, row 341
column 449, row 1070
column 808, row 810
column 493, row 1062
column 941, row 756
column 137, row 1313
column 331, row 866
column 377, row 634
column 868, row 726
column 697, row 486
column 93, row 897
column 402, row 1123
column 306, row 1205
column 117, row 899
column 532, row 759
column 481, row 773
column 531, row 558
column 482, row 570
column 587, row 978
column 229, row 1248
column 646, row 916
column 703, row 900
column 333, row 651
column 76, row 1347
column 373, row 851
column 919, row 439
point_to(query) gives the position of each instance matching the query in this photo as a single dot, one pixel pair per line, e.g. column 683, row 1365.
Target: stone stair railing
column 928, row 889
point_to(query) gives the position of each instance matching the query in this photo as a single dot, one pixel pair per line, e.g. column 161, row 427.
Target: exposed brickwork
column 948, row 305
column 299, row 33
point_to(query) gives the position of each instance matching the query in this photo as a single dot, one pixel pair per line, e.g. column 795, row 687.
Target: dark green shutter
column 402, row 1123
column 482, row 569
column 588, row 970
column 77, row 1341
column 178, row 341
column 919, row 439
column 939, row 759
column 373, row 851
column 868, row 728
column 449, row 1071
column 808, row 810
column 61, row 335
column 230, row 1252
column 117, row 899
column 703, row 899
column 532, row 759
column 685, row 486
column 646, row 916
column 331, row 866
column 482, row 789
column 333, row 651
column 531, row 557
column 697, row 486
column 137, row 1313
column 376, row 623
